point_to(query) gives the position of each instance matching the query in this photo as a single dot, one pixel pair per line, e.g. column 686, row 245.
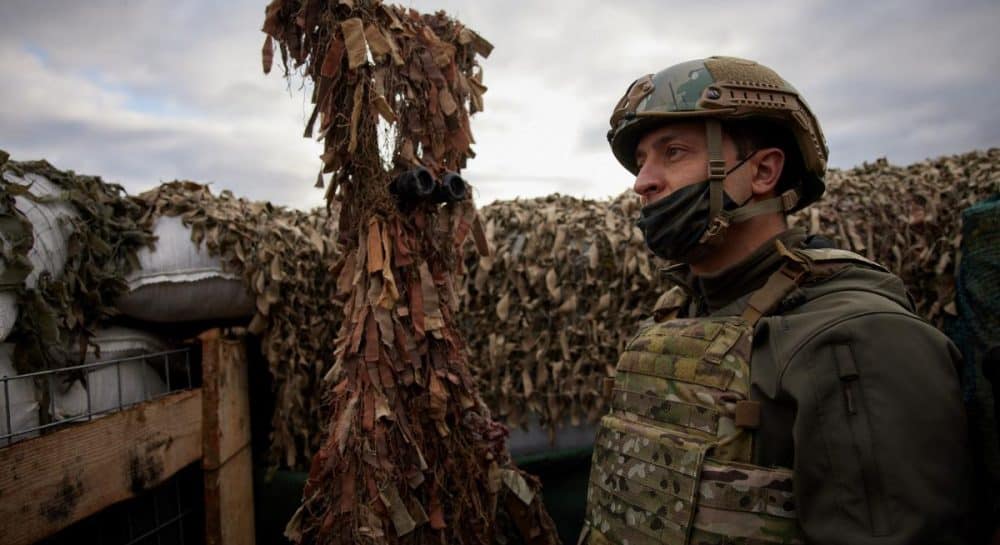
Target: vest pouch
column 648, row 487
column 745, row 501
column 643, row 483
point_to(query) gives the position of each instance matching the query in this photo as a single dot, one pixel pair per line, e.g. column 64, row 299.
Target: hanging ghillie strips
column 284, row 257
column 59, row 314
column 411, row 454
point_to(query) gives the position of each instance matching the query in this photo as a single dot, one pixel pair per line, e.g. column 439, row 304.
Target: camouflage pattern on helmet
column 670, row 465
column 721, row 88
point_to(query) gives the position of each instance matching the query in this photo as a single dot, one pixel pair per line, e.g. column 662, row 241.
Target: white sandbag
column 139, row 381
column 49, row 252
column 180, row 282
column 51, row 231
column 23, row 406
column 8, row 313
column 8, row 301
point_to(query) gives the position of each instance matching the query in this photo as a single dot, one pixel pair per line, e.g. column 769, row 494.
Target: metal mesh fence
column 174, row 367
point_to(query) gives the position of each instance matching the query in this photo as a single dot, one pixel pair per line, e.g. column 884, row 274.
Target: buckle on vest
column 794, row 272
column 789, row 199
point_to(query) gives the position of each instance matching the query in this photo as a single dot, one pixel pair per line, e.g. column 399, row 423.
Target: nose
column 647, row 185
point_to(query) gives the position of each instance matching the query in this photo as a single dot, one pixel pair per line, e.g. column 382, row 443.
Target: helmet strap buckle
column 716, row 169
column 718, row 227
column 789, row 199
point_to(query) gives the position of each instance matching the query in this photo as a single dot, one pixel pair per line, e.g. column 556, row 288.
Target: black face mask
column 673, row 225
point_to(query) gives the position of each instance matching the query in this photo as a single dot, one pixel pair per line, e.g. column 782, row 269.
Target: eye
column 672, row 152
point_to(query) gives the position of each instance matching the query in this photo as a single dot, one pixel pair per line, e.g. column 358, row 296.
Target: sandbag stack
column 69, row 241
column 102, row 389
column 48, row 216
column 180, row 281
column 80, row 256
column 19, row 396
column 280, row 261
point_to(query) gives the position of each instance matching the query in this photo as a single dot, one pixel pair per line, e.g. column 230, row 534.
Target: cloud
column 144, row 92
column 151, row 90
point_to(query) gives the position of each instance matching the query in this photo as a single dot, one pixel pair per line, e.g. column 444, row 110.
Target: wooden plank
column 229, row 515
column 52, row 481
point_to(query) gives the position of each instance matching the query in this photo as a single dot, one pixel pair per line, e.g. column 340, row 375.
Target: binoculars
column 418, row 184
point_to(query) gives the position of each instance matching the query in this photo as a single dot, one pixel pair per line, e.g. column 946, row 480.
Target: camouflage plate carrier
column 672, row 459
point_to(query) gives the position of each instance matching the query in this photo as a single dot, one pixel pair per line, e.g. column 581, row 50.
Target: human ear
column 768, row 163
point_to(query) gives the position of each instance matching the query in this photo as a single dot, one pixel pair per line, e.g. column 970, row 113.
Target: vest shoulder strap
column 799, row 265
column 778, row 286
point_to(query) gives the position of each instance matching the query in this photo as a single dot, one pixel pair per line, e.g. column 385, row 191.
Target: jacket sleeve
column 879, row 433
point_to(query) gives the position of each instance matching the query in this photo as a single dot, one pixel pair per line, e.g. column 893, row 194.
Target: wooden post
column 226, row 459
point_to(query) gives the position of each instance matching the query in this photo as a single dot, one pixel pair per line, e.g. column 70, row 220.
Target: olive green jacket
column 861, row 398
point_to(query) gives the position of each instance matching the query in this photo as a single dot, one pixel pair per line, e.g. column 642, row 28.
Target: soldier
column 785, row 391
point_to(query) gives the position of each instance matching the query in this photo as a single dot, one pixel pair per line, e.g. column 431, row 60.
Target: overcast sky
column 143, row 91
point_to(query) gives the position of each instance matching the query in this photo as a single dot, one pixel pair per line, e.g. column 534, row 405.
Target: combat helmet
column 717, row 89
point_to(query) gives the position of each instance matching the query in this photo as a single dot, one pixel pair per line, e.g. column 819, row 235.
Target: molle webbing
column 678, row 413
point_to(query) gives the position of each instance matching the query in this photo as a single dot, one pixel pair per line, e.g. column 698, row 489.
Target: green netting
column 977, row 330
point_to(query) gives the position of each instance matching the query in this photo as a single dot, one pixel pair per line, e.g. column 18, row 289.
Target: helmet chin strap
column 716, row 167
column 719, row 220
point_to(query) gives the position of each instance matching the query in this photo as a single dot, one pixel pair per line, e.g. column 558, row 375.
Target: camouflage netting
column 284, row 256
column 908, row 219
column 410, row 453
column 549, row 312
column 64, row 308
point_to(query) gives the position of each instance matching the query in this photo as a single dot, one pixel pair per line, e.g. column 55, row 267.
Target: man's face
column 676, row 155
